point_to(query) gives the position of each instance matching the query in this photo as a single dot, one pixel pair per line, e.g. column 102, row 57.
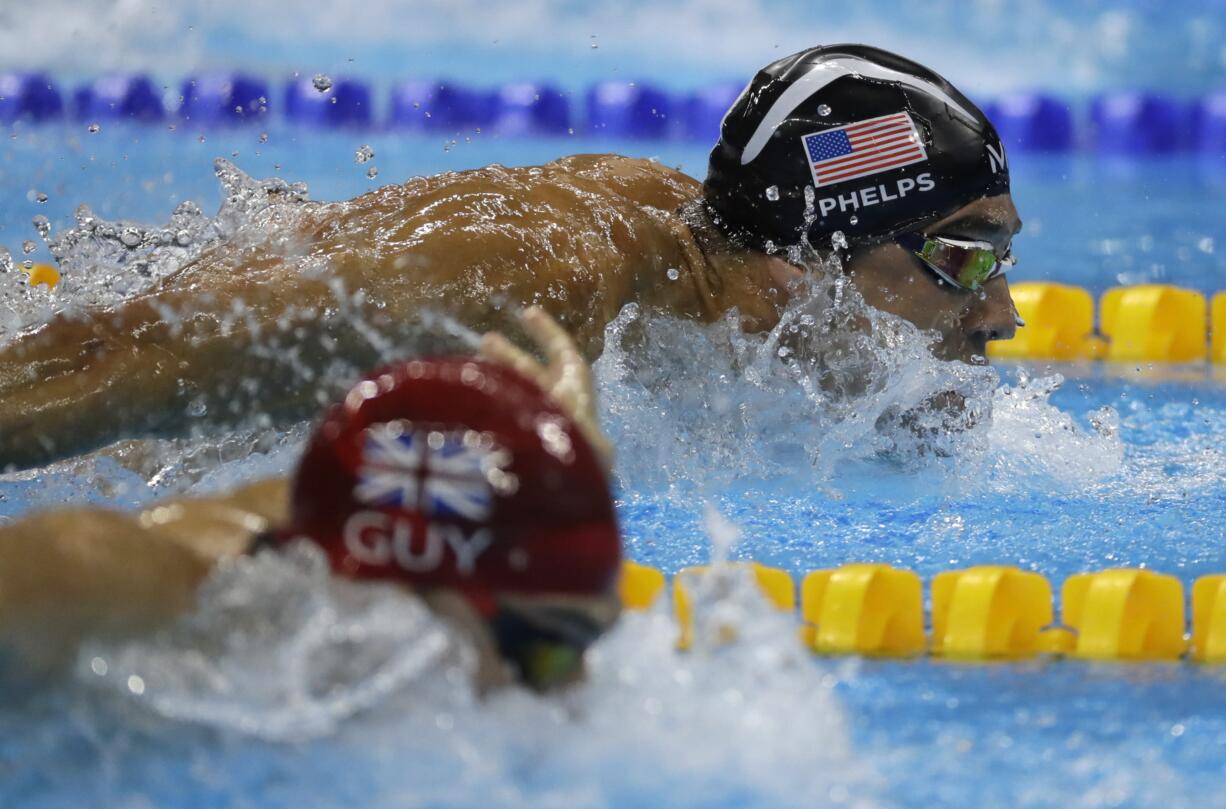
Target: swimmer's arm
column 87, row 572
column 567, row 377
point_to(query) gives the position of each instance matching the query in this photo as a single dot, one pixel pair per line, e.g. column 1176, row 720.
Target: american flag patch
column 436, row 473
column 863, row 148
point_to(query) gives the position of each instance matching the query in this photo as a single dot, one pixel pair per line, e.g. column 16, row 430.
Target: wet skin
column 260, row 324
column 258, row 329
column 83, row 572
column 893, row 280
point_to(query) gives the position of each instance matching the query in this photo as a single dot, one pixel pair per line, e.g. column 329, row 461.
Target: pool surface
column 320, row 698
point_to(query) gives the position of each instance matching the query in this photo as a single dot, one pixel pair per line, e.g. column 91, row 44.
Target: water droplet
column 6, row 260
column 372, row 172
column 364, row 154
column 183, row 238
column 321, row 82
column 263, row 137
column 673, row 273
column 823, row 110
column 40, row 197
column 43, row 225
column 201, row 138
column 136, row 685
column 130, row 236
column 28, row 247
column 855, row 220
column 772, row 193
column 838, row 241
column 93, row 128
column 570, row 130
column 197, row 408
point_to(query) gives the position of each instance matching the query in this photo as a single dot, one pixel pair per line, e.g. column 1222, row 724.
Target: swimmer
column 844, row 146
column 479, row 485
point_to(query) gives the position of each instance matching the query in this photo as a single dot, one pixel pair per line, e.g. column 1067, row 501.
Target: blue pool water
column 1100, row 466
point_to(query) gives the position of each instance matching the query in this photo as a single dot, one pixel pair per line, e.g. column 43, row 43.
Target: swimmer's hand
column 567, row 378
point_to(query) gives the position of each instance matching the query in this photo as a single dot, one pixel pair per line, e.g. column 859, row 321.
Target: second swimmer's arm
column 85, row 572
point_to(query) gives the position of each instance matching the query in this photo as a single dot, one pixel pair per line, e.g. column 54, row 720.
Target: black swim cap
column 848, row 138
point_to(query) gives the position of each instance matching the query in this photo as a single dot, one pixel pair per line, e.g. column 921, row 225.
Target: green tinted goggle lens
column 546, row 664
column 964, row 264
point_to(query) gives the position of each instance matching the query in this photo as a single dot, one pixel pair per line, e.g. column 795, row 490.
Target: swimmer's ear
column 567, row 378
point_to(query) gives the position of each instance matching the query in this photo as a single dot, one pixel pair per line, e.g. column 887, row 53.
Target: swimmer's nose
column 992, row 315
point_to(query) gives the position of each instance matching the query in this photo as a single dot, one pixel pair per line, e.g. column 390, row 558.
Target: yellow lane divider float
column 992, row 612
column 1059, row 325
column 1154, row 323
column 42, row 274
column 980, row 613
column 863, row 609
column 1125, row 615
column 774, row 584
column 1217, row 349
column 1147, row 323
column 1208, row 612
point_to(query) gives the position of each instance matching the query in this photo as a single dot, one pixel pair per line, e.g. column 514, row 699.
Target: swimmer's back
column 581, row 236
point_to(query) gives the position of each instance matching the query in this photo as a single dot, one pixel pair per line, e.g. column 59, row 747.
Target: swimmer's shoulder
column 648, row 181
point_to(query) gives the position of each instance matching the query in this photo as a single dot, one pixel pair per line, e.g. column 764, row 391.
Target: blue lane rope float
column 133, row 97
column 988, row 612
column 223, row 98
column 620, row 109
column 532, row 109
column 1032, row 122
column 1210, row 123
column 323, row 101
column 1130, row 122
column 29, row 96
column 703, row 110
column 1119, row 123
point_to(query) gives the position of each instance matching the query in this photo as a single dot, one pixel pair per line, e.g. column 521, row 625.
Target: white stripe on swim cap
column 821, row 75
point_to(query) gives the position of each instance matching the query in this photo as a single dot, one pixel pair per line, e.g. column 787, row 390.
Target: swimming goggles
column 544, row 638
column 963, row 264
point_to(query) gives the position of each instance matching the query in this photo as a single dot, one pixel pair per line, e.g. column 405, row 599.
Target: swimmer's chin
column 968, row 354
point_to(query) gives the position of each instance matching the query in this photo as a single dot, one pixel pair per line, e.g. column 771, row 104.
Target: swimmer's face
column 536, row 640
column 894, row 280
column 543, row 638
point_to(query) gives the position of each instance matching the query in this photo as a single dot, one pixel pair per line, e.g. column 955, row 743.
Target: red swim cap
column 457, row 473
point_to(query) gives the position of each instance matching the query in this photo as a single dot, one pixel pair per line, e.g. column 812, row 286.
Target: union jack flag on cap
column 439, row 473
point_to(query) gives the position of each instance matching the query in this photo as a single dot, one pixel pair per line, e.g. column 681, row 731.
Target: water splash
column 697, row 407
column 104, row 262
column 280, row 649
